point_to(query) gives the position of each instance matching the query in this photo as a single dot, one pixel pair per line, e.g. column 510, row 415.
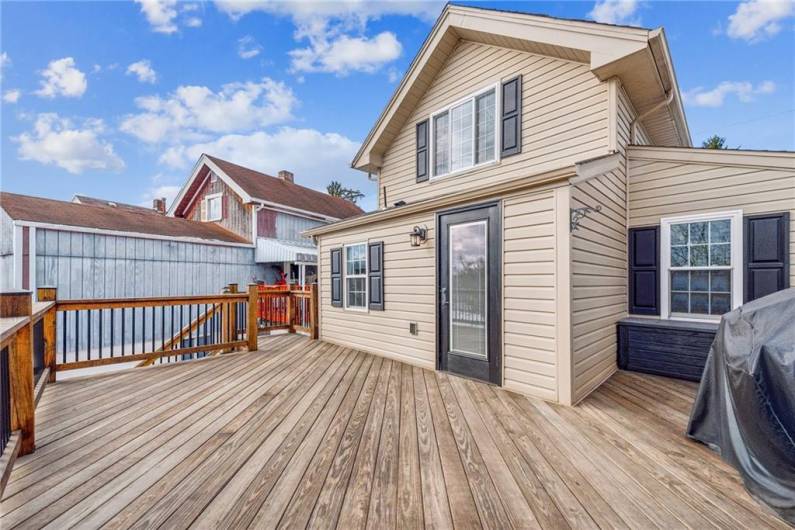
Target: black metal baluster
column 77, row 335
column 133, row 331
column 112, row 319
column 163, row 328
column 100, row 333
column 153, row 328
column 123, row 335
column 63, row 351
column 88, row 325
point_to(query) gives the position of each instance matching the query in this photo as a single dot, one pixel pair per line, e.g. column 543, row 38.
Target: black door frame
column 495, row 289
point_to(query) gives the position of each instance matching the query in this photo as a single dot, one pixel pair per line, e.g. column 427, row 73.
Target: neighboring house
column 271, row 212
column 518, row 160
column 215, row 234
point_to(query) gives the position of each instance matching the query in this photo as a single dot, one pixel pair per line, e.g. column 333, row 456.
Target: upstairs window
column 702, row 260
column 212, row 207
column 464, row 134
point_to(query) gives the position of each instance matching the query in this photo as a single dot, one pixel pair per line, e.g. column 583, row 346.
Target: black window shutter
column 422, row 151
column 511, row 117
column 375, row 275
column 766, row 251
column 644, row 271
column 336, row 277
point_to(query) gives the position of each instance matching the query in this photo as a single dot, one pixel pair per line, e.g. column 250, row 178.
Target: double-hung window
column 702, row 265
column 464, row 134
column 356, row 276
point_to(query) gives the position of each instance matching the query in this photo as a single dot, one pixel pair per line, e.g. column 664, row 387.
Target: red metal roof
column 275, row 190
column 123, row 218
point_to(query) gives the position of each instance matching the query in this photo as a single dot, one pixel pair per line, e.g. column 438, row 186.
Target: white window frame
column 497, row 132
column 345, row 277
column 737, row 287
column 207, row 199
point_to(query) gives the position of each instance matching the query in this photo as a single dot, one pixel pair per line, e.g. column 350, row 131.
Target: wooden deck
column 310, row 434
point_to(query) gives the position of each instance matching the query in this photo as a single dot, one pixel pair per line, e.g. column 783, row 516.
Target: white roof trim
column 205, row 161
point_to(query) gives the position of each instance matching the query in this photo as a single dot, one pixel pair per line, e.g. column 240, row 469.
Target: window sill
column 465, row 171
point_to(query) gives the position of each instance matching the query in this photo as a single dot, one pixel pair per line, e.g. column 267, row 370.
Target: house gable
column 637, row 56
column 564, row 119
column 235, row 214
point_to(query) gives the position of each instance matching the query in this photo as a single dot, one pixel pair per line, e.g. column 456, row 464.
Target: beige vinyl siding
column 564, row 119
column 599, row 266
column 409, row 294
column 703, row 182
column 529, row 309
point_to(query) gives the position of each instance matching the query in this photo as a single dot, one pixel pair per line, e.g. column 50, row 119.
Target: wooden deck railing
column 39, row 340
column 25, row 348
column 288, row 309
column 109, row 331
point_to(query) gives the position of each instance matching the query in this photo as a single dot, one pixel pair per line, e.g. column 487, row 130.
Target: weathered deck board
column 311, row 434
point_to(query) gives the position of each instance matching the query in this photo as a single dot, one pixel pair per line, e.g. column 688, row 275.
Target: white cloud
column 347, row 54
column 57, row 141
column 248, row 47
column 12, row 96
column 143, row 71
column 286, row 148
column 5, row 60
column 744, row 90
column 755, row 20
column 161, row 14
column 616, row 12
column 336, row 31
column 192, row 111
column 169, row 192
column 62, row 78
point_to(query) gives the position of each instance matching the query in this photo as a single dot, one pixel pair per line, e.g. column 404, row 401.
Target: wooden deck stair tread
column 310, row 434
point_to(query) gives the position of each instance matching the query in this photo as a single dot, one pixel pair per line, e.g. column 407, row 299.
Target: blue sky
column 117, row 99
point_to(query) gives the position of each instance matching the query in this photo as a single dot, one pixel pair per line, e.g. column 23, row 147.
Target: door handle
column 443, row 293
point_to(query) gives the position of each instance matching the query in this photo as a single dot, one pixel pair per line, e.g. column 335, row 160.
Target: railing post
column 313, row 311
column 290, row 312
column 233, row 313
column 20, row 368
column 49, row 294
column 251, row 329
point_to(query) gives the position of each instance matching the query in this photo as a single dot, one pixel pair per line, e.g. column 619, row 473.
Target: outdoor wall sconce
column 577, row 214
column 418, row 236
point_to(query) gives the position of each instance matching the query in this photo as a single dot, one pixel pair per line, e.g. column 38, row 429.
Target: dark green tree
column 714, row 142
column 335, row 189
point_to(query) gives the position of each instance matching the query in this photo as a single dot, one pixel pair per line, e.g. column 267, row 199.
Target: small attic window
column 213, row 177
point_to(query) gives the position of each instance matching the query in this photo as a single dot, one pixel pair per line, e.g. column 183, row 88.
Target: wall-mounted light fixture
column 577, row 214
column 418, row 236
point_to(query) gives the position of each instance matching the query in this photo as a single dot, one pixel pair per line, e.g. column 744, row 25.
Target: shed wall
column 102, row 266
column 6, row 252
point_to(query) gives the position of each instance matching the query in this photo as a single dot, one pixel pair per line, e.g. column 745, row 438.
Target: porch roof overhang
column 277, row 251
column 639, row 57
